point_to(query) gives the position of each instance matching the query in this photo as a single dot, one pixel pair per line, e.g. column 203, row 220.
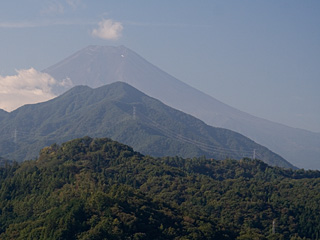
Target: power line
column 209, row 148
column 171, row 134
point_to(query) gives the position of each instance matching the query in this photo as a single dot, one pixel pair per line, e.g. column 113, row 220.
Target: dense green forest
column 100, row 189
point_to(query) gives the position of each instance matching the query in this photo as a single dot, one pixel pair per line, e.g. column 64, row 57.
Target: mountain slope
column 123, row 113
column 96, row 65
column 100, row 189
column 2, row 114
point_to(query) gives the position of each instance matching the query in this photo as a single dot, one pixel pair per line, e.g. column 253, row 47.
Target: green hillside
column 100, row 189
column 123, row 113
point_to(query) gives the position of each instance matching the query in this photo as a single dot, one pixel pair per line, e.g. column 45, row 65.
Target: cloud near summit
column 108, row 29
column 58, row 7
column 28, row 86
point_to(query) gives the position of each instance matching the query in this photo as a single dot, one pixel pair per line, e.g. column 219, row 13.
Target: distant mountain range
column 99, row 65
column 3, row 113
column 123, row 113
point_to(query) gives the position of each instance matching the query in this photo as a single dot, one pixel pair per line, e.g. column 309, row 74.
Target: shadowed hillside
column 123, row 113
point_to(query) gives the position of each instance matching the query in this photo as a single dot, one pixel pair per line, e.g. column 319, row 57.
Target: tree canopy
column 100, row 189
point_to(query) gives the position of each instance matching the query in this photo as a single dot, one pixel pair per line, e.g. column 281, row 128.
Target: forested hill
column 100, row 189
column 123, row 113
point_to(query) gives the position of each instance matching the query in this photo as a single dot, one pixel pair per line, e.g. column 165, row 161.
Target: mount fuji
column 96, row 66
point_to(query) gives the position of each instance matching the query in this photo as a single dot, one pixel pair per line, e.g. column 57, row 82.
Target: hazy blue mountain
column 2, row 114
column 123, row 113
column 98, row 65
column 4, row 161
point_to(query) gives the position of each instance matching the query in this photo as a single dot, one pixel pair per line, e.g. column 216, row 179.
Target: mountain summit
column 99, row 65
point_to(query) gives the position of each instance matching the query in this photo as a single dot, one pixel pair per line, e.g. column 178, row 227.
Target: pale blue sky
column 262, row 57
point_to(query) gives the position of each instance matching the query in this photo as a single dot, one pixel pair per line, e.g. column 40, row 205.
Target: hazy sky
column 262, row 57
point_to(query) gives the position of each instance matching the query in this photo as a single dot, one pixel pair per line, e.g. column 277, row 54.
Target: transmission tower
column 274, row 226
column 15, row 133
column 134, row 113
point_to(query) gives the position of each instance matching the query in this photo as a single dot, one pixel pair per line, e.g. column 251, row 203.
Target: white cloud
column 52, row 8
column 74, row 4
column 44, row 23
column 58, row 7
column 26, row 87
column 17, row 24
column 108, row 29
